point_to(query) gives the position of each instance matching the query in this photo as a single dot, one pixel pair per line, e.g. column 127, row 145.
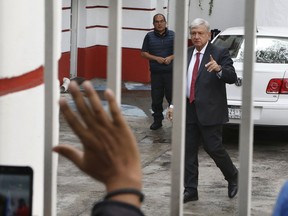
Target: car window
column 268, row 49
column 231, row 42
column 272, row 50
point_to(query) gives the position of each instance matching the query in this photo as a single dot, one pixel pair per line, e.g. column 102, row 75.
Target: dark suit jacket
column 210, row 90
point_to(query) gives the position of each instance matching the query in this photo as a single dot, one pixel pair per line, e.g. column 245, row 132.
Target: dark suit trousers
column 161, row 85
column 211, row 138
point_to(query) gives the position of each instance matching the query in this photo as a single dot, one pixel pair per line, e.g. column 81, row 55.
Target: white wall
column 272, row 13
column 229, row 13
column 225, row 13
column 66, row 25
column 137, row 21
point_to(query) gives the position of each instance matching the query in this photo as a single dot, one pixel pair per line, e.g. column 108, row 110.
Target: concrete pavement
column 77, row 192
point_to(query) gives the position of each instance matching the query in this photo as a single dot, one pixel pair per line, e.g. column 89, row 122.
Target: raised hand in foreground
column 110, row 154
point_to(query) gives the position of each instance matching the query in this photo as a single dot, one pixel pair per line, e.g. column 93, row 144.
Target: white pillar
column 246, row 128
column 51, row 129
column 115, row 48
column 74, row 44
column 22, row 106
column 179, row 101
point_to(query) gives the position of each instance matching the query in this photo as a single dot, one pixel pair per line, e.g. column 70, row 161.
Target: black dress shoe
column 156, row 125
column 232, row 190
column 233, row 187
column 190, row 196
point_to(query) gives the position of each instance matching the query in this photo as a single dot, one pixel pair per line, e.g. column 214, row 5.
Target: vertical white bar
column 73, row 44
column 171, row 15
column 246, row 128
column 52, row 29
column 114, row 48
column 179, row 101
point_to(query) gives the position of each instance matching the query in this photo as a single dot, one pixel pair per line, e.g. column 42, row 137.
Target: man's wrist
column 130, row 196
column 220, row 68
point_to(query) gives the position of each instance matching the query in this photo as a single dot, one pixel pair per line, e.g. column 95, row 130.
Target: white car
column 270, row 74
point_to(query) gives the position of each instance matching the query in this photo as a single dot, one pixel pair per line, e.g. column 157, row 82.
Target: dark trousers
column 161, row 85
column 211, row 137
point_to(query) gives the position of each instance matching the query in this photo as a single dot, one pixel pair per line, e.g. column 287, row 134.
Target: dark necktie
column 194, row 76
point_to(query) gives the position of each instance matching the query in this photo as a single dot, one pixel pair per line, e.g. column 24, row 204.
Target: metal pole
column 114, row 49
column 179, row 101
column 51, row 108
column 73, row 44
column 246, row 128
column 171, row 15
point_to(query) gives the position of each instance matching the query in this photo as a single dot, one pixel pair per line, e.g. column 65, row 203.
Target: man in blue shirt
column 158, row 49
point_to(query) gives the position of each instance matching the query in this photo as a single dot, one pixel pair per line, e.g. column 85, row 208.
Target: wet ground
column 77, row 192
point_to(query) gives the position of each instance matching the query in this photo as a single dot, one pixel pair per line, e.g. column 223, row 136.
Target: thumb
column 70, row 153
column 211, row 58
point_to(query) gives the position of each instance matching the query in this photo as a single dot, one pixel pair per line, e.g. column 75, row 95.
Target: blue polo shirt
column 159, row 45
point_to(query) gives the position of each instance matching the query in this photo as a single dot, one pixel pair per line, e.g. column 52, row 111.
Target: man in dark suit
column 209, row 69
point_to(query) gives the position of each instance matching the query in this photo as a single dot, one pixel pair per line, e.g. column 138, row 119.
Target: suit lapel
column 205, row 59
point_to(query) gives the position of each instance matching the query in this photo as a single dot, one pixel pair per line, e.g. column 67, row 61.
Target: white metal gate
column 179, row 9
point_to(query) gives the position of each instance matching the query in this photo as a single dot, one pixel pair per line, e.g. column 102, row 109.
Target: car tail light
column 284, row 89
column 277, row 86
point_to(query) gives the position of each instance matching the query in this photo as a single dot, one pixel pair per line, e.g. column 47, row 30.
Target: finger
column 71, row 118
column 82, row 107
column 115, row 111
column 211, row 58
column 100, row 115
column 102, row 127
column 71, row 153
column 171, row 115
column 210, row 68
column 208, row 64
column 87, row 138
